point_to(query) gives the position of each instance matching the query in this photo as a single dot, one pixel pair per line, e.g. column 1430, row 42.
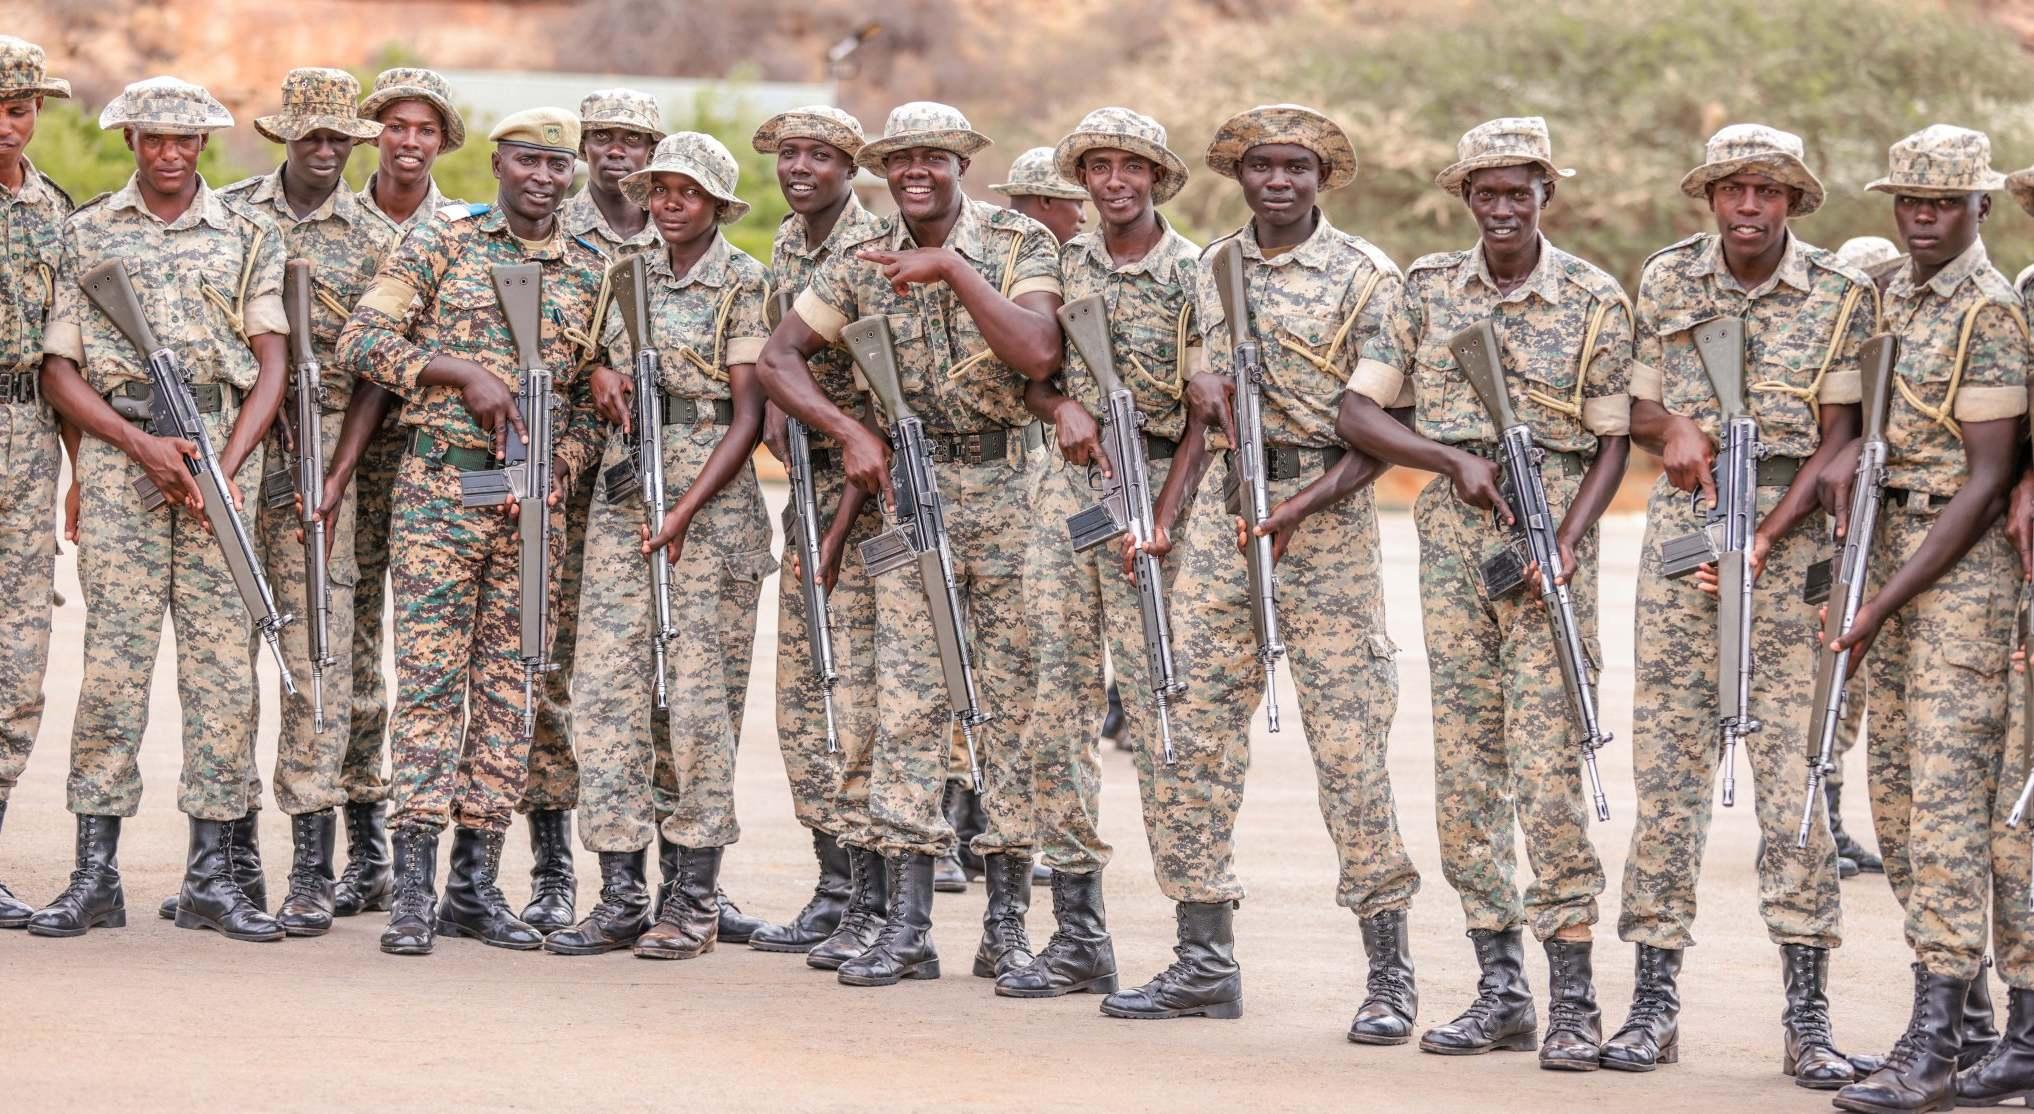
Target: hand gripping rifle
column 308, row 396
column 1126, row 500
column 526, row 472
column 1248, row 481
column 174, row 413
column 805, row 512
column 642, row 474
column 1726, row 537
column 1847, row 580
column 1534, row 542
column 918, row 530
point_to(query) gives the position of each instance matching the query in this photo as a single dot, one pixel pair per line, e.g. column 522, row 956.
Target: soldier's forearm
column 1649, row 422
column 1990, row 448
column 732, row 454
column 365, row 412
column 258, row 409
column 784, row 378
column 1599, row 486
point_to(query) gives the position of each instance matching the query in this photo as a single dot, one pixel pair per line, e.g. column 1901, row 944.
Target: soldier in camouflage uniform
column 1315, row 293
column 815, row 148
column 1042, row 192
column 1805, row 313
column 1939, row 625
column 32, row 212
column 1506, row 744
column 1145, row 273
column 430, row 330
column 706, row 321
column 418, row 124
column 208, row 272
column 970, row 291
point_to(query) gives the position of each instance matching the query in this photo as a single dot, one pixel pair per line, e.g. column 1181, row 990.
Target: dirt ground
column 150, row 1016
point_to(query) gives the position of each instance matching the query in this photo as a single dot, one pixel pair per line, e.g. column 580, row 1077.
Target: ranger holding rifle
column 200, row 276
column 1132, row 347
column 433, row 330
column 967, row 292
column 1289, row 300
column 1516, row 356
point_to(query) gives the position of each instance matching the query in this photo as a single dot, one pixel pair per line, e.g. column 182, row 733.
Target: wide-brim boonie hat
column 1755, row 147
column 2020, row 184
column 699, row 157
column 1033, row 175
column 922, row 124
column 822, row 122
column 1285, row 123
column 625, row 109
column 1508, row 141
column 24, row 71
column 1940, row 160
column 408, row 83
column 165, row 106
column 317, row 99
column 1121, row 129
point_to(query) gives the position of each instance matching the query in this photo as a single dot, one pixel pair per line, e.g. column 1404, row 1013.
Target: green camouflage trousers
column 455, row 737
column 1506, row 750
column 619, row 807
column 134, row 565
column 1938, row 722
column 1331, row 607
column 31, row 461
column 1676, row 755
column 2012, row 852
column 989, row 520
column 816, row 777
column 307, row 763
column 554, row 770
column 1079, row 600
column 367, row 712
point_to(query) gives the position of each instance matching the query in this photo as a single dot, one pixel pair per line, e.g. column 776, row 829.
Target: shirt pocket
column 1147, row 360
column 1446, row 404
column 469, row 319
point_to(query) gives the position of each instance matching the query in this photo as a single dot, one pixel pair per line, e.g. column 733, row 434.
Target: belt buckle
column 435, row 455
column 22, row 390
column 971, row 449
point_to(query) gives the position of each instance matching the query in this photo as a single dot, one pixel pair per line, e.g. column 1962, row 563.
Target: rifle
column 805, row 510
column 1248, row 493
column 174, row 413
column 1126, row 500
column 525, row 474
column 310, row 477
column 2019, row 812
column 642, row 474
column 1534, row 541
column 918, row 528
column 1726, row 537
column 1853, row 563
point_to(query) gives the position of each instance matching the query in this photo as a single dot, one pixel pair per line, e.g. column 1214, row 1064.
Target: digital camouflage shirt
column 793, row 259
column 1564, row 337
column 207, row 281
column 433, row 202
column 31, row 247
column 584, row 219
column 1802, row 330
column 951, row 379
column 701, row 324
column 1152, row 334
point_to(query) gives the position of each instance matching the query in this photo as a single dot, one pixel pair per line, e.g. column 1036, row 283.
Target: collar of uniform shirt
column 205, row 206
column 710, row 270
column 34, row 190
column 1310, row 252
column 802, row 246
column 1545, row 279
column 966, row 236
column 342, row 203
column 1092, row 244
column 1793, row 269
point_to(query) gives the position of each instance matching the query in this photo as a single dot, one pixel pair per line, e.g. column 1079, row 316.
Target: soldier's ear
column 960, row 167
column 1984, row 206
column 1546, row 192
column 127, row 137
column 494, row 163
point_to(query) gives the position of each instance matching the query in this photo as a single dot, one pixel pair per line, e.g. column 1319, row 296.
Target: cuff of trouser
column 1377, row 381
column 1841, row 388
column 1647, row 382
column 1990, row 404
column 1607, row 416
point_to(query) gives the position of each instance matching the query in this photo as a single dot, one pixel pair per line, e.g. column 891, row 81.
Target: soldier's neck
column 398, row 200
column 933, row 233
column 1128, row 243
column 167, row 207
column 818, row 226
column 1281, row 237
column 686, row 255
column 1511, row 266
column 620, row 213
column 304, row 200
column 1753, row 271
column 531, row 231
column 13, row 172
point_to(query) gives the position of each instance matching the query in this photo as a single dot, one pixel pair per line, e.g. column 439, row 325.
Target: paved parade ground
column 158, row 1018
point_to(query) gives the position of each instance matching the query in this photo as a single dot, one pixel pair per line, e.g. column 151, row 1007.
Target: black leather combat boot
column 822, row 913
column 1574, row 1040
column 689, row 926
column 1005, row 944
column 1080, row 956
column 1651, row 1035
column 474, row 904
column 367, row 884
column 1980, row 1031
column 1391, row 1000
column 1502, row 1017
column 622, row 914
column 903, row 948
column 1809, row 1050
column 867, row 911
column 412, row 911
column 2007, row 1071
column 307, row 911
column 93, row 899
column 1203, row 980
column 14, row 912
column 1920, row 1071
column 553, row 883
column 947, row 875
column 212, row 896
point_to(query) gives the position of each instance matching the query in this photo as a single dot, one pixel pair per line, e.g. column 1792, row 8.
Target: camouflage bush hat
column 1032, row 174
column 823, row 122
column 1940, row 160
column 547, row 129
column 922, row 124
column 1866, row 252
column 1120, row 129
column 622, row 108
column 166, row 106
column 1507, row 141
column 699, row 157
column 2020, row 184
column 408, row 83
column 24, row 73
column 316, row 99
column 1285, row 123
column 1764, row 150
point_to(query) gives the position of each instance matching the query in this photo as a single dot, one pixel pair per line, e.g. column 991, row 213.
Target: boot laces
column 1904, row 1051
column 1387, row 981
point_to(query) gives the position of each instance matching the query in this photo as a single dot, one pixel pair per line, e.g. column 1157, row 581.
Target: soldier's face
column 17, row 125
column 681, row 208
column 1280, row 182
column 924, row 181
column 615, row 153
column 320, row 157
column 1751, row 212
column 1120, row 185
column 1506, row 202
column 412, row 134
column 533, row 179
column 813, row 174
column 1938, row 229
column 166, row 163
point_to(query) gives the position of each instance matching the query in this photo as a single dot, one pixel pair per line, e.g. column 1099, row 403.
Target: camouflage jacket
column 344, row 244
column 1968, row 308
column 433, row 202
column 583, row 219
column 1312, row 309
column 793, row 259
column 434, row 294
column 1151, row 324
column 31, row 247
column 701, row 324
column 1803, row 327
column 207, row 281
column 1564, row 336
column 950, row 377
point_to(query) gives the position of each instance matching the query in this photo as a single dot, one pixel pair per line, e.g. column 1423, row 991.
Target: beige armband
column 1377, row 381
column 265, row 315
column 818, row 316
column 391, row 296
column 1989, row 404
column 1841, row 388
column 1607, row 415
column 1037, row 284
column 744, row 350
column 64, row 339
column 1647, row 382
